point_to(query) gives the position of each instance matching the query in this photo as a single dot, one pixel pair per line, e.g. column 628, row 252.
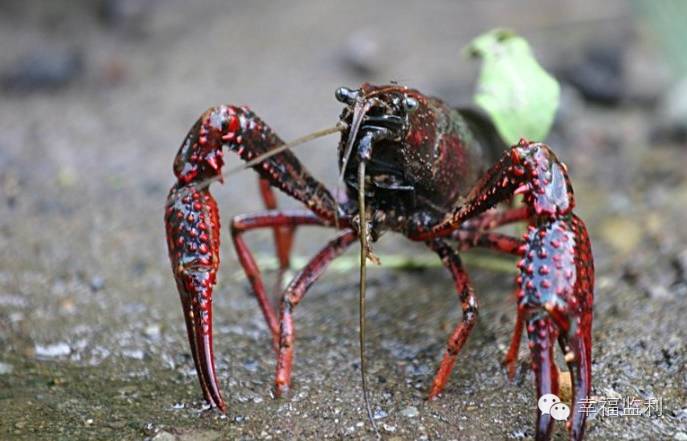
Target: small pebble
column 128, row 391
column 681, row 414
column 388, row 428
column 250, row 365
column 97, row 283
column 410, row 412
column 680, row 436
column 164, row 436
column 152, row 331
column 6, row 368
column 118, row 425
column 52, row 351
column 518, row 434
column 379, row 414
column 136, row 354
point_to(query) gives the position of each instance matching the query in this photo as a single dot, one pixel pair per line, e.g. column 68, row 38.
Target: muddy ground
column 95, row 102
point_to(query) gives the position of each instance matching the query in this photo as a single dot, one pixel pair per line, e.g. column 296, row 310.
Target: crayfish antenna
column 359, row 111
column 363, row 260
column 339, row 127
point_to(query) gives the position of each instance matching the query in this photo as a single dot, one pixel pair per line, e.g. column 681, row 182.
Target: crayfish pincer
column 410, row 165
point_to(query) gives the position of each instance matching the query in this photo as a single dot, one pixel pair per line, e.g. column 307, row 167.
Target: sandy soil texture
column 96, row 99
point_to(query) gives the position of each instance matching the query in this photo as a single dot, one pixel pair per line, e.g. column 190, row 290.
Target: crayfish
column 412, row 165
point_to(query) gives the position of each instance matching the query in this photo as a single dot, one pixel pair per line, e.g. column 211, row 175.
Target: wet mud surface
column 92, row 337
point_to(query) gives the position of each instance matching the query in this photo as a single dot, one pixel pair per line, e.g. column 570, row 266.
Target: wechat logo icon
column 550, row 404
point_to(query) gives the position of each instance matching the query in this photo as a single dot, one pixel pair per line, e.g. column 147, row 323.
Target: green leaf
column 518, row 94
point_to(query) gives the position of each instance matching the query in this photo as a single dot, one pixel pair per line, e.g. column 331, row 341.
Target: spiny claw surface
column 556, row 284
column 193, row 242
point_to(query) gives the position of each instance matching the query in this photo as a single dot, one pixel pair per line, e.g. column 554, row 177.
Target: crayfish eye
column 346, row 95
column 410, row 104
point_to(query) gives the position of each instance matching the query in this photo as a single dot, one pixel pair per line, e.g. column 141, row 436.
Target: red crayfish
column 412, row 165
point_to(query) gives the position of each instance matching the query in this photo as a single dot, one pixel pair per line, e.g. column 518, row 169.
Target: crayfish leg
column 452, row 262
column 511, row 358
column 283, row 235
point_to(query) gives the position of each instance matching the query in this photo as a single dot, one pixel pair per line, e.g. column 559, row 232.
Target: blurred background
column 95, row 98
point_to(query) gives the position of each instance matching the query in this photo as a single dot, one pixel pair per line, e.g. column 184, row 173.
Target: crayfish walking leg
column 293, row 295
column 452, row 262
column 270, row 219
column 283, row 234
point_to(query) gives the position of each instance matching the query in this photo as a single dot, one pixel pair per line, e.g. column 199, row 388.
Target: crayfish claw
column 198, row 317
column 542, row 336
column 196, row 299
column 578, row 356
column 192, row 225
column 556, row 292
